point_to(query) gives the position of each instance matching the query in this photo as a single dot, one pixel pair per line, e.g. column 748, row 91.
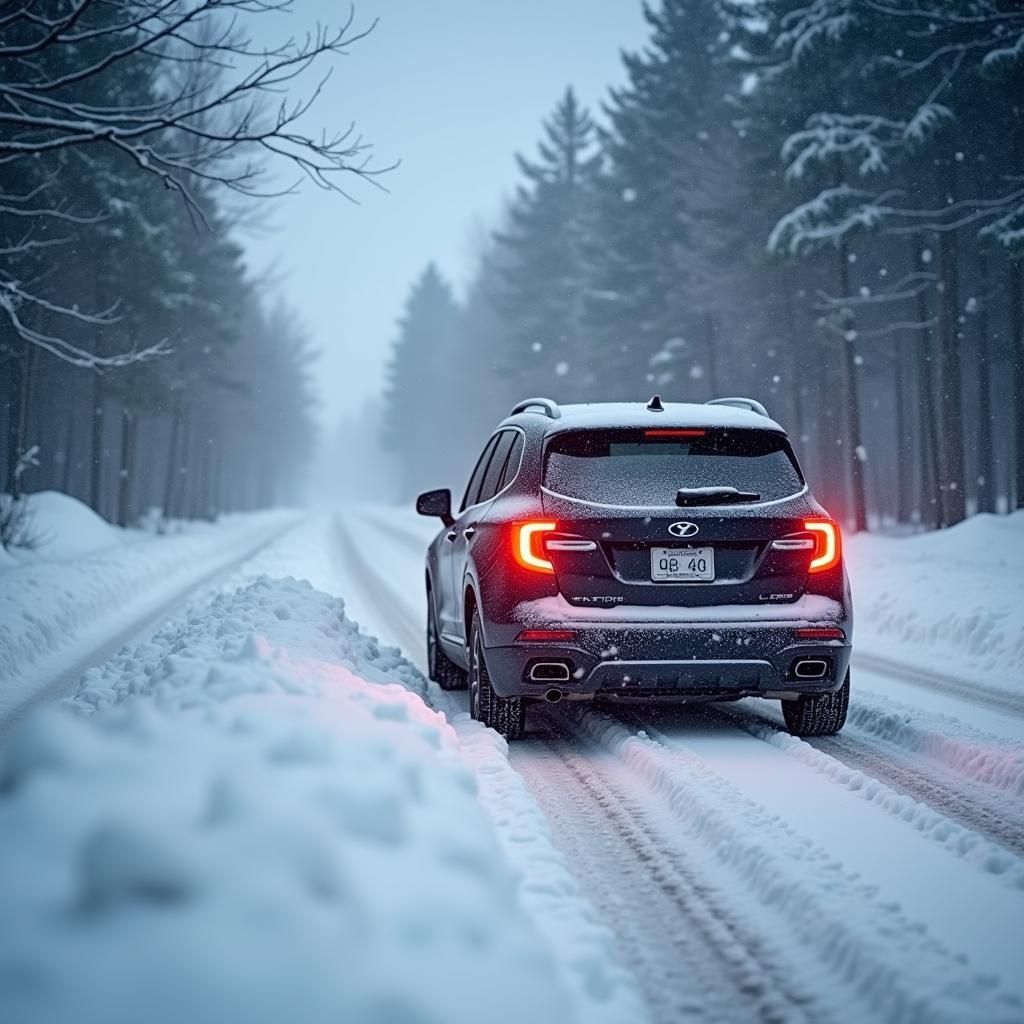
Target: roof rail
column 545, row 406
column 741, row 403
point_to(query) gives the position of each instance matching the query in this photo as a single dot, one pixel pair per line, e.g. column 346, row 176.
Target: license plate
column 676, row 565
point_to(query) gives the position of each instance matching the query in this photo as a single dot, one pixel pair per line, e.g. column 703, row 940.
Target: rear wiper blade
column 690, row 496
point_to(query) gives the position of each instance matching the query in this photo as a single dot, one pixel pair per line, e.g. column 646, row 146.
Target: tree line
column 816, row 202
column 141, row 364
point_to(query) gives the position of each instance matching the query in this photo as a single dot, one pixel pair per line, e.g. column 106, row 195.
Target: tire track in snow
column 694, row 959
column 1000, row 701
column 381, row 596
column 872, row 960
column 963, row 803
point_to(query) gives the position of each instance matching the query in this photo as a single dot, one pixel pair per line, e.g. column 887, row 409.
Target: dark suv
column 639, row 552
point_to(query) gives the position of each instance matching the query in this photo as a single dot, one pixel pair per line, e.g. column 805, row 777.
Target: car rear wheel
column 440, row 667
column 818, row 714
column 505, row 714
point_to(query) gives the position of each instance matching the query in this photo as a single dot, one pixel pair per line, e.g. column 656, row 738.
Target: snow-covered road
column 701, row 856
column 750, row 875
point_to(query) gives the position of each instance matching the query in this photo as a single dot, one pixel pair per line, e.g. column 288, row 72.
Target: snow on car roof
column 675, row 414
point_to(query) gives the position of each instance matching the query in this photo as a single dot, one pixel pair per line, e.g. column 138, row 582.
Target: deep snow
column 951, row 601
column 906, row 812
column 254, row 816
column 89, row 580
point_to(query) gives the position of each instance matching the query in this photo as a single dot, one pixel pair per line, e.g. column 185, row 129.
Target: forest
column 819, row 204
column 142, row 365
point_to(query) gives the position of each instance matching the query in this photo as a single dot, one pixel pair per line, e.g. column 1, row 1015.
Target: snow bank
column 55, row 610
column 950, row 601
column 254, row 817
column 63, row 527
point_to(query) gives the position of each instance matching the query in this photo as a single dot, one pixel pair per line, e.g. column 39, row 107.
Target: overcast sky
column 452, row 89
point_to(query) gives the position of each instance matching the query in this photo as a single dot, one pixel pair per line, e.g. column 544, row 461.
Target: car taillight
column 819, row 633
column 528, row 545
column 827, row 544
column 674, row 433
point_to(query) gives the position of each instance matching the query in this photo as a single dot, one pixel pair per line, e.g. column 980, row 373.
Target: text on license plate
column 681, row 564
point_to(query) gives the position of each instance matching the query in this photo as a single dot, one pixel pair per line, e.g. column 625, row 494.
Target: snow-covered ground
column 951, row 602
column 254, row 816
column 889, row 859
column 263, row 813
column 87, row 581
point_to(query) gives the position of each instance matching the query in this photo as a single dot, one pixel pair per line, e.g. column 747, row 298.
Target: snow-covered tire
column 818, row 714
column 506, row 715
column 440, row 667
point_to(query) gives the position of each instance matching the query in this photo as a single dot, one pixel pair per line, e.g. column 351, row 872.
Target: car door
column 449, row 604
column 466, row 526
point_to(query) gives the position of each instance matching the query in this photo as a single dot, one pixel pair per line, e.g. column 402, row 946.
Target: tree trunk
column 855, row 454
column 954, row 501
column 14, row 419
column 172, row 459
column 126, row 477
column 931, row 497
column 986, row 493
column 710, row 343
column 69, row 451
column 96, row 448
column 1017, row 354
column 902, row 481
column 796, row 367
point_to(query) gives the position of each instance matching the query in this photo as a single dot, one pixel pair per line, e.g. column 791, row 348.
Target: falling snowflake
column 561, row 368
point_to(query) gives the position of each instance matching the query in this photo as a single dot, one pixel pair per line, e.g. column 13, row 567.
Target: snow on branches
column 171, row 93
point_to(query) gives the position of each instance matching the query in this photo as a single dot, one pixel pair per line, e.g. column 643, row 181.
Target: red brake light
column 528, row 545
column 553, row 635
column 674, row 433
column 827, row 544
column 819, row 633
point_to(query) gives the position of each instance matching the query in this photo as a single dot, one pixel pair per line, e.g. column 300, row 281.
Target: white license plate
column 682, row 564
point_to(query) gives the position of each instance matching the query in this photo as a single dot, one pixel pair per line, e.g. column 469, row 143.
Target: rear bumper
column 673, row 660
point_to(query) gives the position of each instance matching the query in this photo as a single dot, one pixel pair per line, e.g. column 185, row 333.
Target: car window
column 497, row 465
column 478, row 475
column 515, row 456
column 630, row 467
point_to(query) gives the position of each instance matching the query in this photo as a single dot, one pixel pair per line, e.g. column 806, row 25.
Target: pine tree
column 416, row 396
column 541, row 251
column 649, row 215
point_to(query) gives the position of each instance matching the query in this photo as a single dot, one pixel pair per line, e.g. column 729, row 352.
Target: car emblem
column 683, row 529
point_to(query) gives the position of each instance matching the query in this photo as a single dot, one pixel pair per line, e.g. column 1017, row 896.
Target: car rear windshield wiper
column 690, row 496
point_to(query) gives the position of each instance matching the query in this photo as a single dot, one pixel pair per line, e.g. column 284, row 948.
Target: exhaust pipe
column 810, row 668
column 549, row 672
column 553, row 696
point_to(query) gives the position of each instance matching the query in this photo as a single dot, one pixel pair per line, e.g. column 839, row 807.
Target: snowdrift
column 950, row 601
column 89, row 581
column 254, row 817
column 63, row 527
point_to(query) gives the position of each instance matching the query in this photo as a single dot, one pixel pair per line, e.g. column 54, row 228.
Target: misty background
column 817, row 204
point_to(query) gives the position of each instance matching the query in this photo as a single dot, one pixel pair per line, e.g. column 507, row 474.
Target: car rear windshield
column 632, row 467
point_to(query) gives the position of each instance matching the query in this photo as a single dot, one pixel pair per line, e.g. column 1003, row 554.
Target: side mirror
column 436, row 503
